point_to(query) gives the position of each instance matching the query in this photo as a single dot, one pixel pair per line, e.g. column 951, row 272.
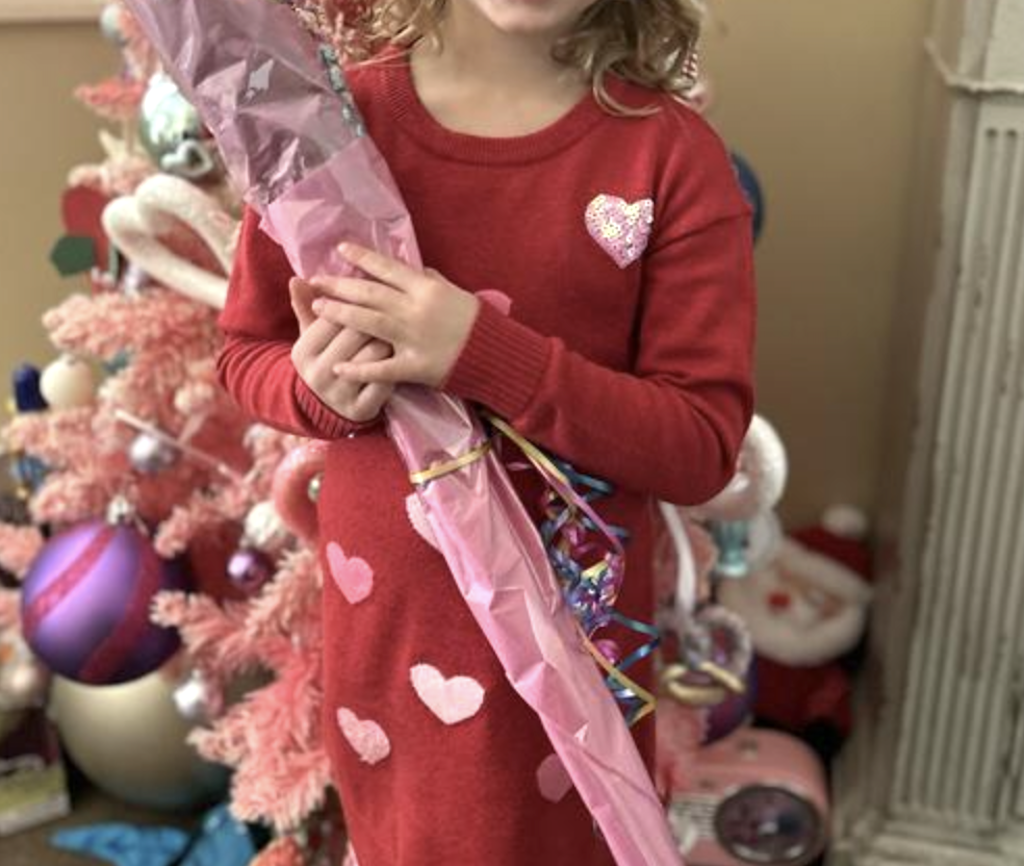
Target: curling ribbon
column 590, row 592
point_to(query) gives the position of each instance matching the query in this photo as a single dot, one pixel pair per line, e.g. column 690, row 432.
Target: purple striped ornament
column 85, row 604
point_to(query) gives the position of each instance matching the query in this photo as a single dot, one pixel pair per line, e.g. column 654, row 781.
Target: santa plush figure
column 807, row 610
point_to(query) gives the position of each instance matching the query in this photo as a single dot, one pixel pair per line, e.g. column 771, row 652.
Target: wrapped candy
column 293, row 140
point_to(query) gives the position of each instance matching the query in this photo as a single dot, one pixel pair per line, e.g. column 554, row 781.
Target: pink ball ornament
column 249, row 570
column 86, row 601
column 609, row 649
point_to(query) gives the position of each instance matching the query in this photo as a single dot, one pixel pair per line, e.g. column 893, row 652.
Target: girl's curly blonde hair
column 649, row 42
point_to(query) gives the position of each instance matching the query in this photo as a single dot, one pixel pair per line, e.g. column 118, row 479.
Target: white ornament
column 68, row 383
column 264, row 528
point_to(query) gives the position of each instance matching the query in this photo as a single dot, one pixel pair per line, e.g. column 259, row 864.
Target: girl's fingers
column 383, row 268
column 388, row 372
column 364, row 293
column 347, row 344
column 373, row 350
column 344, row 315
column 317, row 337
column 372, row 398
column 302, row 296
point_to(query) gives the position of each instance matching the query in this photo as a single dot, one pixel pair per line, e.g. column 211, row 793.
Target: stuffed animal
column 807, row 611
column 178, row 234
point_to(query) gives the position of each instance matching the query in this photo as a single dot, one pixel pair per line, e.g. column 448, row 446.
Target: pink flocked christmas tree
column 130, row 430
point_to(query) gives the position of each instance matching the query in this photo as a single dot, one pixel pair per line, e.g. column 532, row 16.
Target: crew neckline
column 417, row 121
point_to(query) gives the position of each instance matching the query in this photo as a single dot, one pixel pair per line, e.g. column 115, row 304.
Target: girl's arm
column 260, row 327
column 671, row 426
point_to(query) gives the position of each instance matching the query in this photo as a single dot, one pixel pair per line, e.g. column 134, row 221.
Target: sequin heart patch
column 620, row 229
column 352, row 576
column 451, row 700
column 366, row 737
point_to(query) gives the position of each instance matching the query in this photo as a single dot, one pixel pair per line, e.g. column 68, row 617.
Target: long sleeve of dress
column 672, row 424
column 260, row 328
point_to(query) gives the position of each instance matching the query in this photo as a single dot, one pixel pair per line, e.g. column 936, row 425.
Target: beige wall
column 820, row 96
column 45, row 133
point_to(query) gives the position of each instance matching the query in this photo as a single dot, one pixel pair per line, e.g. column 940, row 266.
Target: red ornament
column 82, row 211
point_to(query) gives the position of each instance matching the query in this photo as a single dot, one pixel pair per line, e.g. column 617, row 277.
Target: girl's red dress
column 629, row 357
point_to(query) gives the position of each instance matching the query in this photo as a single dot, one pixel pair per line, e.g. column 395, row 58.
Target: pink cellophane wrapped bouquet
column 294, row 143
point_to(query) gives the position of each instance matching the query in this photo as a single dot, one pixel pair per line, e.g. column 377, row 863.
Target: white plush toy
column 751, row 496
column 163, row 208
column 809, row 605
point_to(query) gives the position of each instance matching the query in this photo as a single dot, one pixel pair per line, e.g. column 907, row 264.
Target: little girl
column 544, row 153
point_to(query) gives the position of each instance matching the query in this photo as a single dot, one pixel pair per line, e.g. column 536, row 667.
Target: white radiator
column 935, row 772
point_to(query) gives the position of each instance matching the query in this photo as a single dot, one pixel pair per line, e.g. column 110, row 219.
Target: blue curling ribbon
column 574, row 534
column 591, row 591
column 633, row 705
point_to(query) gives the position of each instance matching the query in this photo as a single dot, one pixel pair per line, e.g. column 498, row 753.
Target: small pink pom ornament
column 295, row 488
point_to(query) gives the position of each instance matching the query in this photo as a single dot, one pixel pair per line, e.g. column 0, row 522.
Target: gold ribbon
column 649, row 701
column 701, row 695
column 439, row 470
column 539, row 459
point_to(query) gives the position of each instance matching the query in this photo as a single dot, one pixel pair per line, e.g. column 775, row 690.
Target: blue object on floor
column 222, row 841
column 124, row 844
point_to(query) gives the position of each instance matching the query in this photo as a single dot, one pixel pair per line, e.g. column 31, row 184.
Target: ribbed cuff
column 501, row 364
column 327, row 423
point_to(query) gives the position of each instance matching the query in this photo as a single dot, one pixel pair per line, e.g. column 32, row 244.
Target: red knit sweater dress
column 625, row 247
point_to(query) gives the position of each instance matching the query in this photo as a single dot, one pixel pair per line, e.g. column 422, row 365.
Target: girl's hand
column 321, row 346
column 425, row 318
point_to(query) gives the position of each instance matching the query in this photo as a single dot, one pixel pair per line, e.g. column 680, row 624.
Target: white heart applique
column 621, row 229
column 418, row 519
column 366, row 737
column 552, row 779
column 352, row 576
column 451, row 700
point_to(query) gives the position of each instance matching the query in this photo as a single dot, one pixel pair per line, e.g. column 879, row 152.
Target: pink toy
column 757, row 796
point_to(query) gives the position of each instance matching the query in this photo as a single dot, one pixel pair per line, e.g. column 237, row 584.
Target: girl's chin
column 531, row 17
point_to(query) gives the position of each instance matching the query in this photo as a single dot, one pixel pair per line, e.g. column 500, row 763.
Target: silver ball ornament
column 110, row 25
column 151, row 455
column 315, row 486
column 172, row 132
column 135, row 280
